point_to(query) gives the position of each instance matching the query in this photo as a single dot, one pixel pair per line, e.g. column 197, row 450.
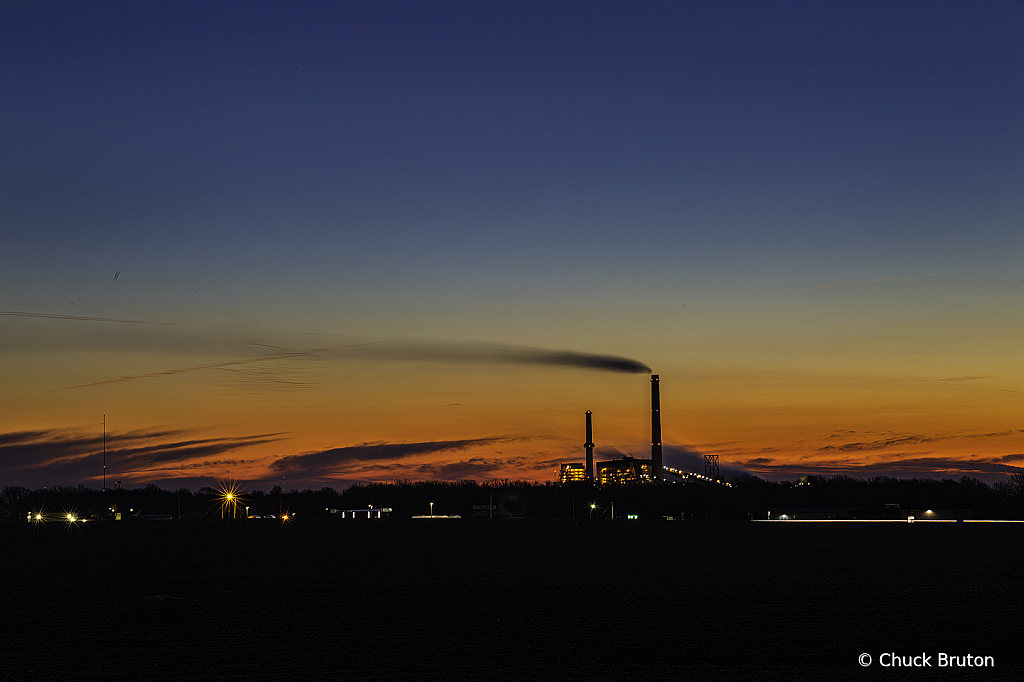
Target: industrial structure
column 620, row 471
column 573, row 472
column 656, row 464
column 589, row 446
column 624, row 471
column 630, row 470
column 711, row 467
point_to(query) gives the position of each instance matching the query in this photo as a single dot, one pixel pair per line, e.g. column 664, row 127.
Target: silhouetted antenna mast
column 104, row 452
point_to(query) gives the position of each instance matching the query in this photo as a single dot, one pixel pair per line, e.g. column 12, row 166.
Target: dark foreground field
column 508, row 600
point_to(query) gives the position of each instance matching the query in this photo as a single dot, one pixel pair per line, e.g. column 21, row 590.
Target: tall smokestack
column 589, row 445
column 656, row 465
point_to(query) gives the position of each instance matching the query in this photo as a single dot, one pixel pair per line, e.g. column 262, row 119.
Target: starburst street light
column 230, row 497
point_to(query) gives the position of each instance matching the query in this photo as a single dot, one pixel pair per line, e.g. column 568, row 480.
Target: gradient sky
column 331, row 242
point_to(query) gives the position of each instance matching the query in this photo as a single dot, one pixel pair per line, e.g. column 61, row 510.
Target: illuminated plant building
column 624, row 471
column 573, row 472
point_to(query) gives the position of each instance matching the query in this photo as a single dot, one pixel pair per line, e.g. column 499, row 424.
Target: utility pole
column 104, row 452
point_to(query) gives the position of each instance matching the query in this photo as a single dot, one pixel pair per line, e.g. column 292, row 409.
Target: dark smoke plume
column 492, row 353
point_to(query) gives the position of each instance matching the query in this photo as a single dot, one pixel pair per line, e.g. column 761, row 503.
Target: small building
column 369, row 513
column 625, row 471
column 573, row 472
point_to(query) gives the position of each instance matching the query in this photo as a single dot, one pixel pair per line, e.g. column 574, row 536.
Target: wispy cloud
column 882, row 444
column 1017, row 457
column 478, row 468
column 330, row 461
column 472, row 468
column 63, row 455
column 964, row 382
column 902, row 440
column 917, row 466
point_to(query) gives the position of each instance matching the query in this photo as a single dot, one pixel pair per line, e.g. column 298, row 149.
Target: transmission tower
column 711, row 467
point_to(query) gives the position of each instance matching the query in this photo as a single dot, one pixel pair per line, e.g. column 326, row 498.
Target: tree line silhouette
column 748, row 497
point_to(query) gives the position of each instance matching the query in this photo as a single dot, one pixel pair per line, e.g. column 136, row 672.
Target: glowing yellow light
column 230, row 499
column 39, row 517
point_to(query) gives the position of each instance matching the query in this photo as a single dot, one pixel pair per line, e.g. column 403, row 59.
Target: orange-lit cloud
column 361, row 457
column 64, row 455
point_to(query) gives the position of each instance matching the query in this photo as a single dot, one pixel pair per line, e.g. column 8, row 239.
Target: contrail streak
column 15, row 313
column 217, row 365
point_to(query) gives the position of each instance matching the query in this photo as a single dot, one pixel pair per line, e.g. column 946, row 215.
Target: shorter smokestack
column 589, row 445
column 656, row 465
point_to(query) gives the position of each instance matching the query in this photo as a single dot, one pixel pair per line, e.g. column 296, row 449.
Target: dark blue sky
column 413, row 117
column 551, row 174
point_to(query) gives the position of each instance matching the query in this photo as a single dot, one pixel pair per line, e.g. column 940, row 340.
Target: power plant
column 627, row 469
column 630, row 470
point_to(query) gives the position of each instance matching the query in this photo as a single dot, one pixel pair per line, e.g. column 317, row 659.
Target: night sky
column 319, row 243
